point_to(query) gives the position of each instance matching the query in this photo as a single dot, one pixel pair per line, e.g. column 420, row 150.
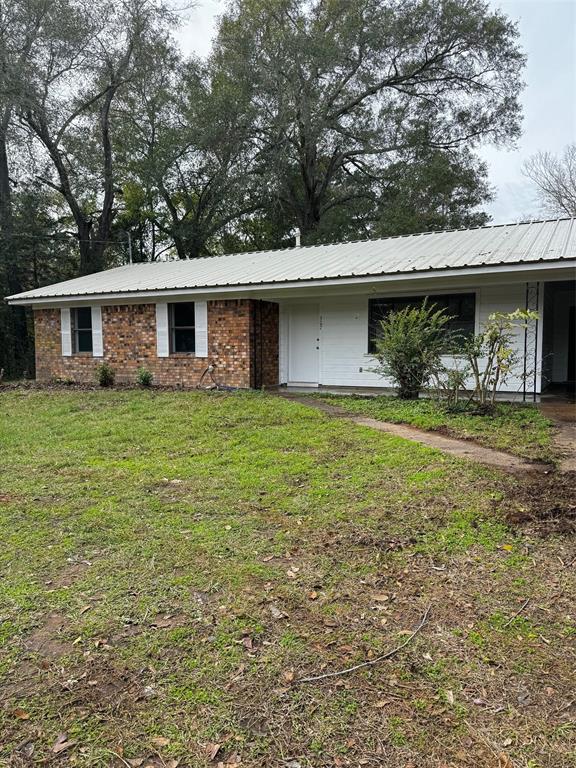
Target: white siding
column 344, row 344
column 507, row 298
column 344, row 360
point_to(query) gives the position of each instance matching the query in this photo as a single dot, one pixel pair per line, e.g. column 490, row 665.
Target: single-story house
column 306, row 316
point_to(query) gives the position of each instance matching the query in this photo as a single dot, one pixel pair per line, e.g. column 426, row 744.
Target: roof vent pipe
column 297, row 237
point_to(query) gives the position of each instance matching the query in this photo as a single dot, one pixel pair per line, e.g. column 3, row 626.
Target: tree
column 555, row 180
column 22, row 26
column 339, row 89
column 68, row 99
column 186, row 145
column 435, row 191
column 42, row 252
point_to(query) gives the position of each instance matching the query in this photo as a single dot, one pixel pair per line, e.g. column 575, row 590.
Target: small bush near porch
column 518, row 428
column 173, row 563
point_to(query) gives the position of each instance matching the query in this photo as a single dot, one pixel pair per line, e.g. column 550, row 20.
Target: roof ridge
column 291, row 248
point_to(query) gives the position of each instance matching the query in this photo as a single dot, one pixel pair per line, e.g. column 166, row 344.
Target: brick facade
column 242, row 346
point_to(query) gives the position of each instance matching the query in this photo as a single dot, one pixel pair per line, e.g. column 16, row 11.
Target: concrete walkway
column 464, row 449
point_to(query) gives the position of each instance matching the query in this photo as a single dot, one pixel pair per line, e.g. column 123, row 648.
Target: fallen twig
column 518, row 612
column 119, row 757
column 371, row 662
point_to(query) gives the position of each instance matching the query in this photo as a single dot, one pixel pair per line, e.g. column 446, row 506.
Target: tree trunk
column 90, row 258
column 5, row 192
column 15, row 343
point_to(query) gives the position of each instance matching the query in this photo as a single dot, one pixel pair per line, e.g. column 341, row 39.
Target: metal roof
column 509, row 244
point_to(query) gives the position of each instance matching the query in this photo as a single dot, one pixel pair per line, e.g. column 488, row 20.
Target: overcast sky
column 548, row 36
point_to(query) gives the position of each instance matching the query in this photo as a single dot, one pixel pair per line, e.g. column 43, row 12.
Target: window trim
column 435, row 294
column 75, row 330
column 172, row 328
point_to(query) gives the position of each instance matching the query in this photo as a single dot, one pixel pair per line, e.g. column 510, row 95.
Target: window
column 462, row 307
column 81, row 329
column 182, row 327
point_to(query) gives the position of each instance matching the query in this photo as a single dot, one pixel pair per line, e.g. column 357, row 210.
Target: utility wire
column 76, row 239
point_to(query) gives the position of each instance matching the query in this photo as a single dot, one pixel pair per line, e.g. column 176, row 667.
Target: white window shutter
column 201, row 328
column 162, row 341
column 66, row 331
column 97, row 342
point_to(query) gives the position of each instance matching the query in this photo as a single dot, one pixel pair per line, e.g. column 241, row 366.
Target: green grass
column 520, row 429
column 172, row 563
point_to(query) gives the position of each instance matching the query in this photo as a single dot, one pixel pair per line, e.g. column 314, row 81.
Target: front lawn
column 173, row 563
column 520, row 429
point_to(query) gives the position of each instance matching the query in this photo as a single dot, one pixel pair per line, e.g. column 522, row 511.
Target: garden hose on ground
column 209, row 371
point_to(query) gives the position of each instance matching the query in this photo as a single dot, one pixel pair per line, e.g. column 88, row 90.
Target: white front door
column 304, row 344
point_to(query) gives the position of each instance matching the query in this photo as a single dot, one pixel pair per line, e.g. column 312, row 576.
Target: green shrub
column 105, row 375
column 66, row 381
column 409, row 345
column 144, row 377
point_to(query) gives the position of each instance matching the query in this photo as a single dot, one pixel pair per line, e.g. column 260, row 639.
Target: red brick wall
column 129, row 336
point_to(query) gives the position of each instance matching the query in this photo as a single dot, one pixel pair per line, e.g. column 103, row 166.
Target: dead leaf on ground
column 276, row 612
column 62, row 744
column 212, row 750
column 163, row 623
column 231, row 762
column 248, row 643
column 160, row 741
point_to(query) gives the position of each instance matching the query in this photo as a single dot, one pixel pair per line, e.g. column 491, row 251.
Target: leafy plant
column 105, row 375
column 409, row 346
column 144, row 377
column 493, row 357
column 448, row 382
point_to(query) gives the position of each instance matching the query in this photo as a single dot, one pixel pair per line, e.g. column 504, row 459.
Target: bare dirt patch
column 47, row 640
column 68, row 575
column 546, row 503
